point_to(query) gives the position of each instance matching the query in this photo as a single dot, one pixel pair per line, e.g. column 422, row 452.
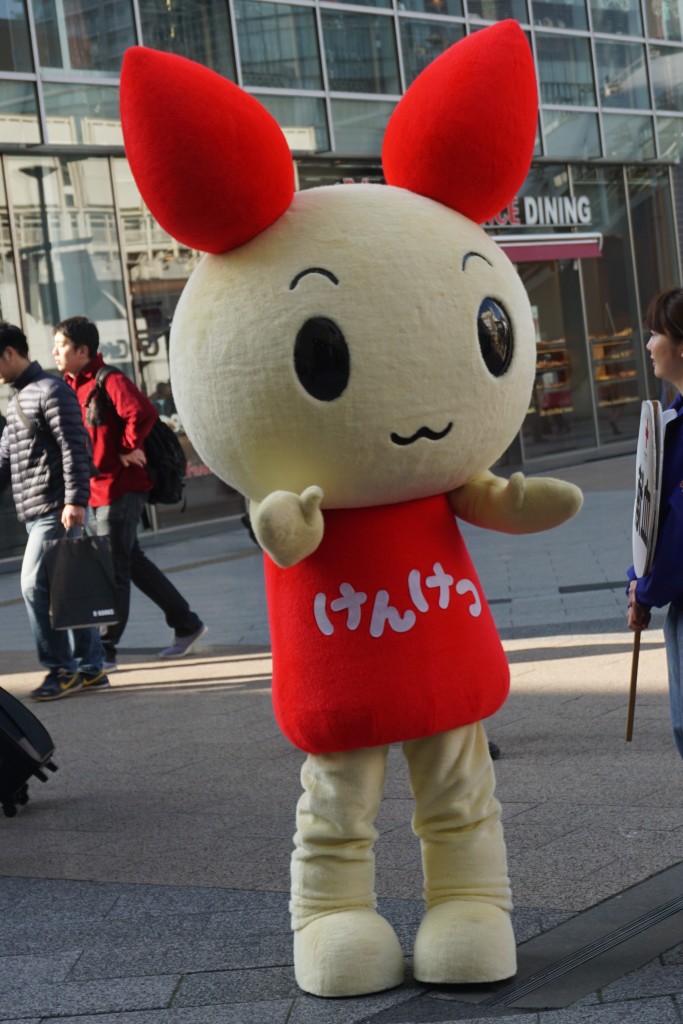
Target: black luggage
column 25, row 749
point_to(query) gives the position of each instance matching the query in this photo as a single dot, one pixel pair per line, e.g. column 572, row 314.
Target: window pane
column 670, row 132
column 361, row 53
column 496, row 10
column 653, row 219
column 628, row 137
column 199, row 30
column 303, row 120
column 571, row 134
column 75, row 35
column 278, row 45
column 422, row 41
column 622, row 75
column 620, row 19
column 87, row 114
column 18, row 113
column 359, row 125
column 664, row 19
column 610, row 296
column 15, row 42
column 560, row 13
column 453, row 7
column 666, row 63
column 68, row 250
column 565, row 70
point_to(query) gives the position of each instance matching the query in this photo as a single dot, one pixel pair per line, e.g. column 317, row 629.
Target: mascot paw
column 465, row 943
column 351, row 953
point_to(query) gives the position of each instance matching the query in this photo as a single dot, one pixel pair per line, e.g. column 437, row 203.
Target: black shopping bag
column 80, row 577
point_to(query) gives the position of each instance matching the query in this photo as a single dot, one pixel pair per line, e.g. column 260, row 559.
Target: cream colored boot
column 342, row 947
column 466, row 935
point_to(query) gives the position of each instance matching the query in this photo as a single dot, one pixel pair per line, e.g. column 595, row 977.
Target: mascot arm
column 516, row 505
column 288, row 526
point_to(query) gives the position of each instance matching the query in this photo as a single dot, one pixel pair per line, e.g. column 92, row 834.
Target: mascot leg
column 466, row 934
column 342, row 947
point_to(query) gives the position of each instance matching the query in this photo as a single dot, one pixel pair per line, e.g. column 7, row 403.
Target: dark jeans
column 119, row 522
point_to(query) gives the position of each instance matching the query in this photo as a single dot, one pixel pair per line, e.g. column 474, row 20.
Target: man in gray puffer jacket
column 44, row 454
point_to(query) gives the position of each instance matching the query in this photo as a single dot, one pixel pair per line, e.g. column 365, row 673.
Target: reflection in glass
column 653, row 219
column 571, row 134
column 359, row 125
column 360, row 50
column 670, row 133
column 82, row 114
column 666, row 63
column 422, row 41
column 611, row 309
column 560, row 416
column 497, row 10
column 15, row 42
column 619, row 19
column 622, row 75
column 664, row 19
column 278, row 45
column 198, row 29
column 452, row 7
column 565, row 70
column 78, row 35
column 68, row 250
column 19, row 113
column 560, row 13
column 303, row 119
column 628, row 137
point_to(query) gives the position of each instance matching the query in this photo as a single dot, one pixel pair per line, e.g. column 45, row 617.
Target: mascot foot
column 351, row 953
column 465, row 943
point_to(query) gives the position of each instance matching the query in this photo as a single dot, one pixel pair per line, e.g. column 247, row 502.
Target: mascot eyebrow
column 467, row 256
column 314, row 270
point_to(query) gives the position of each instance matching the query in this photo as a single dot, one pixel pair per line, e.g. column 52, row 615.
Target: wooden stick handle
column 632, row 691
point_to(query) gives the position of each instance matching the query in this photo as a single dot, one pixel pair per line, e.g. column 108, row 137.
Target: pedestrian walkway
column 146, row 882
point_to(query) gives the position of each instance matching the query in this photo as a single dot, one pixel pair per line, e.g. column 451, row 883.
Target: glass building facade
column 595, row 230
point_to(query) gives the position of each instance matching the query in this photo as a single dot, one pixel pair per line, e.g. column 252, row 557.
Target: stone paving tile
column 88, row 997
column 25, row 971
column 178, row 956
column 654, row 979
column 236, row 987
column 263, row 1012
column 310, row 1010
column 136, row 901
column 637, row 1011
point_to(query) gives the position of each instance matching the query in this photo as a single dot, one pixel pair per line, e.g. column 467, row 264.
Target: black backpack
column 166, row 462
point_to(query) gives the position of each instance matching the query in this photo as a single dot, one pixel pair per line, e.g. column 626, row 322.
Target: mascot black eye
column 495, row 336
column 321, row 359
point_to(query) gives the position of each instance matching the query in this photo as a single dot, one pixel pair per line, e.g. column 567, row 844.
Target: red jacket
column 119, row 426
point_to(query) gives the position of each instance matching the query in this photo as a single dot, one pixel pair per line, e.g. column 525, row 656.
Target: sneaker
column 182, row 645
column 110, row 664
column 58, row 683
column 95, row 680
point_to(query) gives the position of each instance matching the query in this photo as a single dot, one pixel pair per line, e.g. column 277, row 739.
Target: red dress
column 382, row 634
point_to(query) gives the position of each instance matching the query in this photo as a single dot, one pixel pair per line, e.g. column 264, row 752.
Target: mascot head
column 369, row 339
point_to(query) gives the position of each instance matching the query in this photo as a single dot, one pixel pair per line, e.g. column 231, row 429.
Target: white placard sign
column 649, row 461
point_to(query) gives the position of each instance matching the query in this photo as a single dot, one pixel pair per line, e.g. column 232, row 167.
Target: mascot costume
column 353, row 359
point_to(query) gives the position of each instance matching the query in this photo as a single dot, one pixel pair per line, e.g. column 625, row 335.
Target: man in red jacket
column 118, row 418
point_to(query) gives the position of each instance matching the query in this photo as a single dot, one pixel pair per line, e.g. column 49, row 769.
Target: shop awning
column 532, row 248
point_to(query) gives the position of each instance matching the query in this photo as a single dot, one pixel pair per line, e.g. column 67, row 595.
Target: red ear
column 464, row 132
column 210, row 161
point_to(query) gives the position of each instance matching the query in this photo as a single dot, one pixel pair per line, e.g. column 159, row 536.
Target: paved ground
column 146, row 883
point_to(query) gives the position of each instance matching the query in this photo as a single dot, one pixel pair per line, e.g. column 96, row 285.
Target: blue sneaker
column 92, row 681
column 59, row 682
column 182, row 645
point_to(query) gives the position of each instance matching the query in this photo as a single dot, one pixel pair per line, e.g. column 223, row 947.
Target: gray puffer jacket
column 48, row 468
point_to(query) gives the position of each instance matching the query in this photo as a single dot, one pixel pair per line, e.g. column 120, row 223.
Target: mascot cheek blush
column 354, row 359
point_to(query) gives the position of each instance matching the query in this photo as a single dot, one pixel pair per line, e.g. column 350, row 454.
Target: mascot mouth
column 430, row 435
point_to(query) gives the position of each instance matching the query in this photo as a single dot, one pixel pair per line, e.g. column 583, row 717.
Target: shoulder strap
column 100, row 377
column 32, row 428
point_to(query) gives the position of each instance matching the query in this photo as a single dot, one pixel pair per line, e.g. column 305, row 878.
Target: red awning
column 532, row 248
